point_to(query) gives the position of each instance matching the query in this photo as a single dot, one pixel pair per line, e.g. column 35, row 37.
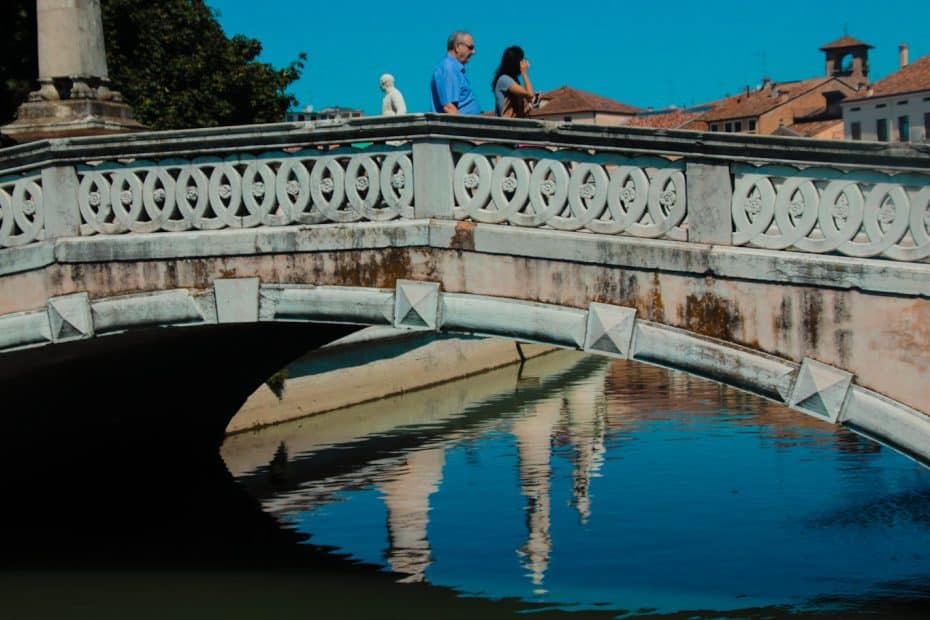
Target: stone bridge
column 791, row 268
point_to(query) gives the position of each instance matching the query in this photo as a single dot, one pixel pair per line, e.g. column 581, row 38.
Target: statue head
column 387, row 82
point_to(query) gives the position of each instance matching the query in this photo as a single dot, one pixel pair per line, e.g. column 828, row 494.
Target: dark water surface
column 576, row 484
column 572, row 486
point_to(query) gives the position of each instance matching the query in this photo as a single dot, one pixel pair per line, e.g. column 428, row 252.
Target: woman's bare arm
column 527, row 89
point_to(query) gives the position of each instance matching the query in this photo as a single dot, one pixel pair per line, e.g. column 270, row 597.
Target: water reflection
column 634, row 488
column 406, row 496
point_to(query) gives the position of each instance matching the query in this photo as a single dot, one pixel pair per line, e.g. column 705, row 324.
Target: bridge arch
column 810, row 387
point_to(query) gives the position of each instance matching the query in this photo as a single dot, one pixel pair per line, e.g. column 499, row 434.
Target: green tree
column 174, row 65
column 19, row 64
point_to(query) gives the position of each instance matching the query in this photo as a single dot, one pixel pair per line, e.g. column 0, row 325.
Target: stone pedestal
column 74, row 96
column 41, row 120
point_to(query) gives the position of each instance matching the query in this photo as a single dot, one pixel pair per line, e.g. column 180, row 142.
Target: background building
column 570, row 105
column 326, row 114
column 895, row 109
column 806, row 108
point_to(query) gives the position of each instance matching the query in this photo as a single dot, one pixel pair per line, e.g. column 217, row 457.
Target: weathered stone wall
column 865, row 316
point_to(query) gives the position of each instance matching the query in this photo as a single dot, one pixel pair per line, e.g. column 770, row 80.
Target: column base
column 43, row 120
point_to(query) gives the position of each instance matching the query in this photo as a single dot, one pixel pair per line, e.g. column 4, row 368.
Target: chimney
column 902, row 55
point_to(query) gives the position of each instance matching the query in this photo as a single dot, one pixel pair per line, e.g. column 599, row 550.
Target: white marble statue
column 393, row 102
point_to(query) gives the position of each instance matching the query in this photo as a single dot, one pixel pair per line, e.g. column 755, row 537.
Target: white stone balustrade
column 243, row 192
column 22, row 211
column 567, row 190
column 858, row 214
column 860, row 200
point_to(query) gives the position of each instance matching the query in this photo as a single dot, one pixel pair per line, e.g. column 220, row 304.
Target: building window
column 856, row 109
column 728, row 126
column 904, row 128
column 881, row 130
column 855, row 131
column 567, row 119
column 927, row 126
column 713, row 127
column 881, row 105
column 752, row 125
column 902, row 102
column 737, row 126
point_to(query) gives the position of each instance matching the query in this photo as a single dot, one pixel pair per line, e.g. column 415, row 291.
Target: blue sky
column 642, row 53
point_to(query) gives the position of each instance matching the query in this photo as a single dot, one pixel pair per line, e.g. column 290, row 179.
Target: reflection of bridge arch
column 406, row 468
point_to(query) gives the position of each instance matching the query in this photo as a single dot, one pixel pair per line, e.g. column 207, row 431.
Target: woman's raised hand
column 524, row 65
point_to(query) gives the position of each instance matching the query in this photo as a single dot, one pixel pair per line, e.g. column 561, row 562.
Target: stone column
column 74, row 96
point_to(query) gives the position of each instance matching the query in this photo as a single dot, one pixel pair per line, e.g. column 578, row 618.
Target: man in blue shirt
column 450, row 91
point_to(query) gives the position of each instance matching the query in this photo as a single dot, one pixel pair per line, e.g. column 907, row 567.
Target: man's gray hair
column 456, row 38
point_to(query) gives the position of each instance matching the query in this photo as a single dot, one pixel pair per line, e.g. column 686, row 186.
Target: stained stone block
column 610, row 330
column 784, row 385
column 24, row 329
column 820, row 390
column 160, row 308
column 236, row 300
column 332, row 304
column 416, row 304
column 525, row 321
column 69, row 317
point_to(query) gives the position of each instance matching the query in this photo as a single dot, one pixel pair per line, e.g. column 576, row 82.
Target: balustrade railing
column 571, row 190
column 22, row 210
column 860, row 214
column 851, row 199
column 272, row 189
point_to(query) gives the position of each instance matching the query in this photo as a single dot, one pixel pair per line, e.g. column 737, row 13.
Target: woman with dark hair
column 510, row 97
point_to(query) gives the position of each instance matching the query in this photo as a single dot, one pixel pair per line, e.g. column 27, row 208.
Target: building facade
column 334, row 113
column 894, row 109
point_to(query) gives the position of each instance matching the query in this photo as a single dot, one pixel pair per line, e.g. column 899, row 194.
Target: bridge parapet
column 851, row 199
column 616, row 241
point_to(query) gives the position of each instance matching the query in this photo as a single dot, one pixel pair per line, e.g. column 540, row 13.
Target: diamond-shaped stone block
column 610, row 330
column 236, row 300
column 69, row 317
column 416, row 304
column 820, row 390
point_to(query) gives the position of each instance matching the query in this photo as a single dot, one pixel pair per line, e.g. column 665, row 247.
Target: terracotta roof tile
column 842, row 42
column 910, row 78
column 698, row 124
column 665, row 119
column 762, row 100
column 809, row 129
column 566, row 100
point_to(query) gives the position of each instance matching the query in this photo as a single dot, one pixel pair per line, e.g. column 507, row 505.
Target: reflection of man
column 393, row 102
column 450, row 91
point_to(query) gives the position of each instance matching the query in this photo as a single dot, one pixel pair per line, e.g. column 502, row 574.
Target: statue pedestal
column 42, row 120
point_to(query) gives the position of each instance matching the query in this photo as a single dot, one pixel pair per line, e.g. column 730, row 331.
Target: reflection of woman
column 507, row 87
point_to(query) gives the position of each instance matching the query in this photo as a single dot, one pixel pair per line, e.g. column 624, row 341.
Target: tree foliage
column 174, row 65
column 19, row 64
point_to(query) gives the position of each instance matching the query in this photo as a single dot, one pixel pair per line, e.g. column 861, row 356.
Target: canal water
column 580, row 486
